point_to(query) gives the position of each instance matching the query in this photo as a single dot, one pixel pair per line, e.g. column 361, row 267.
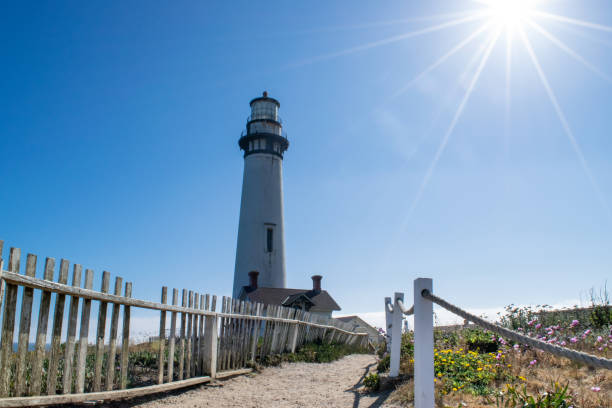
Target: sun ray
column 442, row 59
column 582, row 23
column 451, row 128
column 564, row 123
column 508, row 96
column 569, row 51
column 587, row 35
column 389, row 40
column 388, row 23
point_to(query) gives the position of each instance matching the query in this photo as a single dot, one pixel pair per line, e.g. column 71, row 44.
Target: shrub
column 480, row 341
column 556, row 397
column 372, row 382
column 469, row 371
column 384, row 364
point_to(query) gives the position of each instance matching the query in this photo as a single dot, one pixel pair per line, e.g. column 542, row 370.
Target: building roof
column 356, row 319
column 322, row 300
column 358, row 322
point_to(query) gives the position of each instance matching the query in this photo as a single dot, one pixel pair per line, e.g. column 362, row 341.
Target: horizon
column 417, row 149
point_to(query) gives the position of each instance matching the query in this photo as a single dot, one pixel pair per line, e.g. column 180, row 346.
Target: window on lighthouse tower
column 269, row 239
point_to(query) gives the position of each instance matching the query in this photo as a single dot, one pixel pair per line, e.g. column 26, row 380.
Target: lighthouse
column 261, row 239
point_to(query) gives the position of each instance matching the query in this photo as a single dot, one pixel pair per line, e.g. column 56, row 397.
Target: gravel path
column 337, row 384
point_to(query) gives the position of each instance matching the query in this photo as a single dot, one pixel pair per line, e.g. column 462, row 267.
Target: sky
column 119, row 127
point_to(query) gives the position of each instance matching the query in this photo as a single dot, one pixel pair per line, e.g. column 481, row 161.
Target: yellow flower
column 454, row 389
column 479, row 368
column 522, row 378
column 440, row 375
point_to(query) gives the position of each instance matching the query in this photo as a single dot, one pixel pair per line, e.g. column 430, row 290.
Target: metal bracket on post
column 423, row 346
column 396, row 335
column 388, row 323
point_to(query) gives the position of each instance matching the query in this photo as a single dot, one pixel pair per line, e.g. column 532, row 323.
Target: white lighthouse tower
column 261, row 238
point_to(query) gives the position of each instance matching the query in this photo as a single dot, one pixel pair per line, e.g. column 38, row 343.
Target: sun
column 509, row 14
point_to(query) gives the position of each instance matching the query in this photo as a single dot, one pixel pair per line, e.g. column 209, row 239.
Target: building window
column 269, row 239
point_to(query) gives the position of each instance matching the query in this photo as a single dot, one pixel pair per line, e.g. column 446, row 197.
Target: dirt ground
column 337, row 384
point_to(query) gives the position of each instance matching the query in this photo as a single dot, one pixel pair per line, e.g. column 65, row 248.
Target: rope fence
column 578, row 356
column 423, row 338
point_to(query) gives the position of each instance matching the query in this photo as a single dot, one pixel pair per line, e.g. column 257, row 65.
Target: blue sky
column 119, row 126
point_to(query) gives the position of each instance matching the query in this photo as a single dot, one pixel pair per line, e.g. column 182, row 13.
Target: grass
column 315, row 352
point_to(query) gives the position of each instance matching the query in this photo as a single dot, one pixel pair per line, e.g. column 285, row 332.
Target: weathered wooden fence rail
column 209, row 343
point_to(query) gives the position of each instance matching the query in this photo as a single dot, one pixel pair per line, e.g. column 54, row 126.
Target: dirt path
column 337, row 384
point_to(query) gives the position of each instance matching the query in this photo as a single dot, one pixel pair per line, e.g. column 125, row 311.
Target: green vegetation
column 319, row 352
column 372, row 382
column 556, row 397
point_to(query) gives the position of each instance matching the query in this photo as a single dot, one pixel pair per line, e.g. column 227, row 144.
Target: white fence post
column 396, row 335
column 388, row 323
column 423, row 346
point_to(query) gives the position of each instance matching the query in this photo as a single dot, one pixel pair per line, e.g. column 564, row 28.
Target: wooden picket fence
column 209, row 344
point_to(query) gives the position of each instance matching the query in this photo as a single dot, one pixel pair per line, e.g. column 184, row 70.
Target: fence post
column 396, row 335
column 423, row 346
column 210, row 346
column 388, row 323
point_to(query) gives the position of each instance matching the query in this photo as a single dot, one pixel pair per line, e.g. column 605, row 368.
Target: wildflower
column 538, row 326
column 440, row 375
column 522, row 378
column 587, row 332
column 574, row 323
column 531, row 322
column 599, row 339
column 516, row 347
column 563, row 343
column 600, row 348
column 533, row 362
column 574, row 340
column 454, row 389
column 595, row 389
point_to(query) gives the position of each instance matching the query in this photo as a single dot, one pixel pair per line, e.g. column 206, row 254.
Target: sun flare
column 509, row 13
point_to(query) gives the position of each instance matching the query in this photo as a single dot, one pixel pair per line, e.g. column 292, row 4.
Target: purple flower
column 574, row 340
column 595, row 389
column 538, row 326
column 599, row 339
column 563, row 343
column 574, row 323
column 533, row 362
column 587, row 332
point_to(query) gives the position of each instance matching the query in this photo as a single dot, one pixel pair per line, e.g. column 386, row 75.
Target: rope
column 585, row 358
column 405, row 311
column 389, row 307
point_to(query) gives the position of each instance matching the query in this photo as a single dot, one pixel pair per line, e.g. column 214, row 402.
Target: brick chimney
column 316, row 282
column 253, row 279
